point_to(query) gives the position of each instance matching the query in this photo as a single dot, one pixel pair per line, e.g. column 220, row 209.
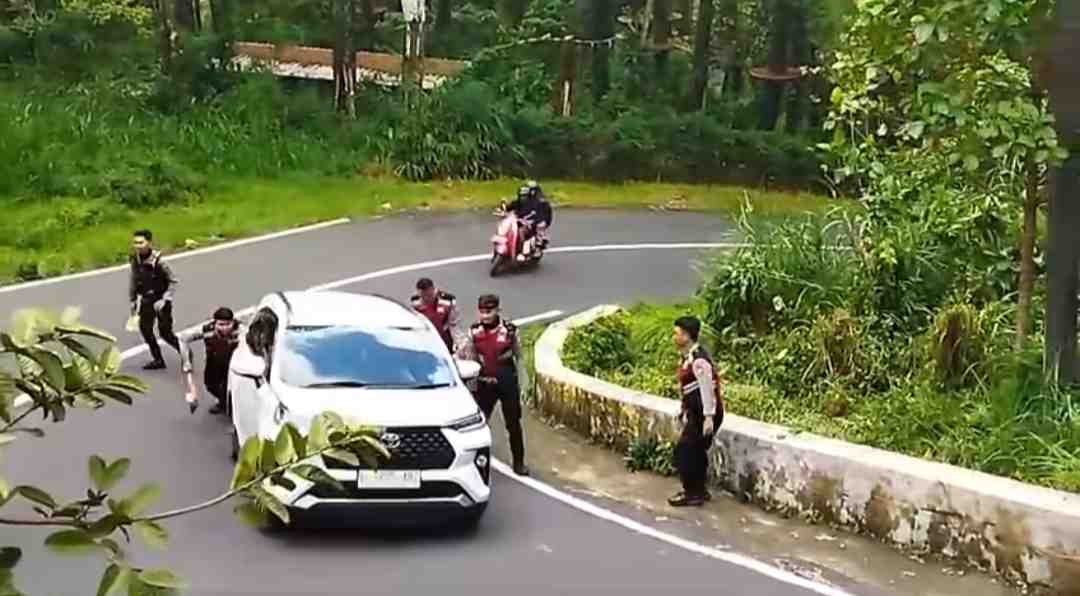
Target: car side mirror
column 469, row 369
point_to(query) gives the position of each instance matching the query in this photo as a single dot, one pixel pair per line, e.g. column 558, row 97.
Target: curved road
column 529, row 542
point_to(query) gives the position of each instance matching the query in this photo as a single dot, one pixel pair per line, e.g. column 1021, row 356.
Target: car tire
column 473, row 517
column 235, row 440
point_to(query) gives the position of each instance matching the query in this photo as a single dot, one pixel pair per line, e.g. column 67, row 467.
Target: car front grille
column 349, row 490
column 418, row 449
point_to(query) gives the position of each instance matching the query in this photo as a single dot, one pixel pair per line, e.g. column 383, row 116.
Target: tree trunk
column 165, row 35
column 733, row 76
column 344, row 59
column 800, row 54
column 221, row 18
column 1027, row 255
column 602, row 26
column 661, row 38
column 185, row 15
column 1062, row 264
column 565, row 90
column 444, row 14
column 1062, row 260
column 686, row 16
column 703, row 35
column 772, row 92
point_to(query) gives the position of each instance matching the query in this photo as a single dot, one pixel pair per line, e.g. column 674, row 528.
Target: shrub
column 601, row 346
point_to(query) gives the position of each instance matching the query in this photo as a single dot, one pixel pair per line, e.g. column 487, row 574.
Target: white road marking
column 635, row 526
column 176, row 256
column 554, row 493
column 544, row 316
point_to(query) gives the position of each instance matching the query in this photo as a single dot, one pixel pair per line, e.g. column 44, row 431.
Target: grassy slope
column 74, row 234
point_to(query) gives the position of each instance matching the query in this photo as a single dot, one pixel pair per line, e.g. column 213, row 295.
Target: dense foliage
column 896, row 327
column 149, row 136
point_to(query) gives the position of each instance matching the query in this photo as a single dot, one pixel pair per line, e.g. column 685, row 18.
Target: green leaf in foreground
column 162, row 578
column 105, row 477
column 252, row 515
column 9, row 557
column 36, row 495
column 152, row 534
column 145, row 496
column 71, row 542
column 115, row 581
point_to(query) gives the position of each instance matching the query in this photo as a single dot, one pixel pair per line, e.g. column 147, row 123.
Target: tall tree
column 661, row 34
column 163, row 14
column 599, row 18
column 702, row 37
column 184, row 11
column 1063, row 244
column 344, row 58
column 443, row 15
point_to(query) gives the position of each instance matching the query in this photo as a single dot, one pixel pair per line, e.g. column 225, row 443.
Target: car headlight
column 471, row 422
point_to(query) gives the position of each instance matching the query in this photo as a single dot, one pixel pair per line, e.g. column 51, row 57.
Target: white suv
column 378, row 362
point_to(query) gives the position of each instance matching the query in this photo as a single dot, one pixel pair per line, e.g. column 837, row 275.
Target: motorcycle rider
column 441, row 309
column 220, row 337
column 701, row 416
column 493, row 342
column 533, row 210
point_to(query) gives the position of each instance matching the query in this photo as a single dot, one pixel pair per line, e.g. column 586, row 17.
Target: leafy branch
column 58, row 369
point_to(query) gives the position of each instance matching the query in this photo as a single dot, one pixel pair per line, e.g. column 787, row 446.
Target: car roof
column 316, row 308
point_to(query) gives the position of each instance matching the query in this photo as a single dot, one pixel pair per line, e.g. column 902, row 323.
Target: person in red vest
column 701, row 416
column 441, row 309
column 493, row 342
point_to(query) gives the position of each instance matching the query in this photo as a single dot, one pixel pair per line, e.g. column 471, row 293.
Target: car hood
column 381, row 407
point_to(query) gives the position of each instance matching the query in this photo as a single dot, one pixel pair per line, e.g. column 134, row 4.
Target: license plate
column 388, row 479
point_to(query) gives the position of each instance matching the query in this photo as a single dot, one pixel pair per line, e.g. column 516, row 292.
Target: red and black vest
column 492, row 347
column 438, row 313
column 691, row 391
column 219, row 350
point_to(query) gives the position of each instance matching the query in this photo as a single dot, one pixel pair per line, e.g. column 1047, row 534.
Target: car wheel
column 473, row 517
column 235, row 444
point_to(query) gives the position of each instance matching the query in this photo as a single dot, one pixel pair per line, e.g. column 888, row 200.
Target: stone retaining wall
column 1019, row 531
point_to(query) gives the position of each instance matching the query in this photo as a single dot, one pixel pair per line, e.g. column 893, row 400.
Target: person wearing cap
column 493, row 342
column 701, row 415
column 441, row 309
column 220, row 336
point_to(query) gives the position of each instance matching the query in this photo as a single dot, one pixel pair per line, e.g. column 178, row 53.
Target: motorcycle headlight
column 471, row 422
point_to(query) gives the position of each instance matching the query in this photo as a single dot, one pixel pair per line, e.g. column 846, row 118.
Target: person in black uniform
column 701, row 415
column 150, row 291
column 220, row 337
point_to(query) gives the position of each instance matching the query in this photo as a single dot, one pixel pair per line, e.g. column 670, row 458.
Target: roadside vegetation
column 103, row 127
column 910, row 326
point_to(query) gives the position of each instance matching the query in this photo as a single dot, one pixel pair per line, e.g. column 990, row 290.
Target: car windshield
column 343, row 356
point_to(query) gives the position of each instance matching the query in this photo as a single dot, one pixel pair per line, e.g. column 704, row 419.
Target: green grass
column 1011, row 427
column 65, row 235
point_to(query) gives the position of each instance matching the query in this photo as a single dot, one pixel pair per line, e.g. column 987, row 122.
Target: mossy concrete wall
column 1021, row 532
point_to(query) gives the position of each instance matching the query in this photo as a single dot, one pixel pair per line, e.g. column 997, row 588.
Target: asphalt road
column 528, row 542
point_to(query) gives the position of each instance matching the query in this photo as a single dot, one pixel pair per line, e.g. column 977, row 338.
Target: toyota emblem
column 391, row 440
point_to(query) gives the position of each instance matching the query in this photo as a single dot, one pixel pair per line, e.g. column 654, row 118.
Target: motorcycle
column 505, row 254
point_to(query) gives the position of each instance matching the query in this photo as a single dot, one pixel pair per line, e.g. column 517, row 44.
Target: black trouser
column 692, row 455
column 217, row 385
column 147, row 316
column 506, row 391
